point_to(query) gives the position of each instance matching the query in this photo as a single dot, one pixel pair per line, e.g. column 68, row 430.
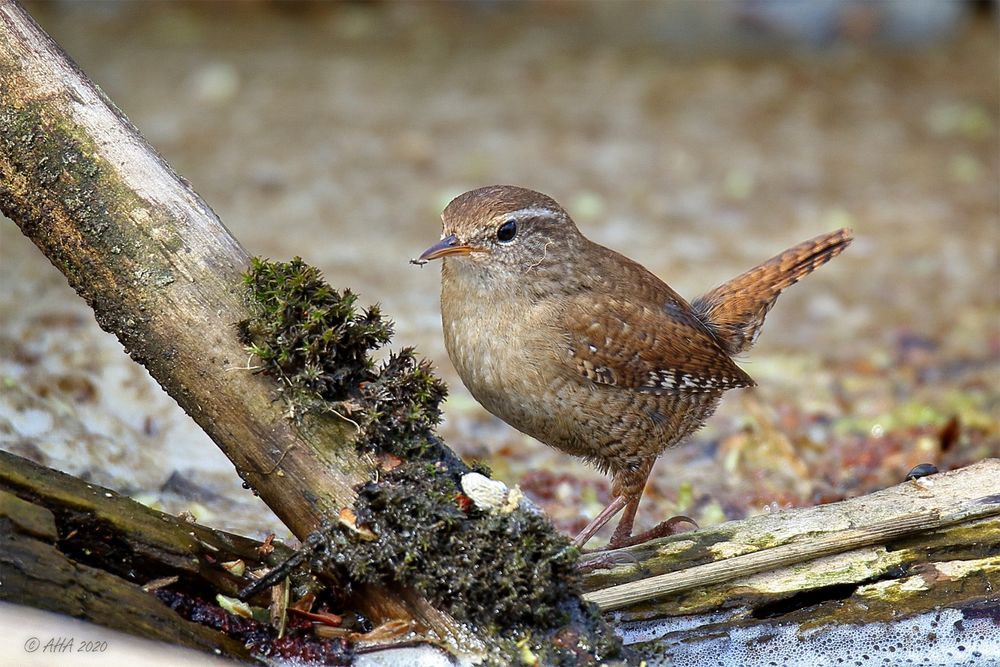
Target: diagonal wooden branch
column 164, row 275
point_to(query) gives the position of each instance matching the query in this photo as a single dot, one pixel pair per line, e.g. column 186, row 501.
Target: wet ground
column 338, row 132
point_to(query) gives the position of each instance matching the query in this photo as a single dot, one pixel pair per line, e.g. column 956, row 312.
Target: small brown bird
column 584, row 349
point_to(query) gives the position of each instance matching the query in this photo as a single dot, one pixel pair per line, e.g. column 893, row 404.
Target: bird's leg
column 628, row 487
column 629, row 482
column 613, row 508
column 633, row 483
column 624, row 530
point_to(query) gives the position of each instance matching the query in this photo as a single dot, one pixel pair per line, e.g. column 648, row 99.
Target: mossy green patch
column 307, row 333
column 508, row 573
column 571, row 645
column 497, row 570
column 402, row 406
column 318, row 341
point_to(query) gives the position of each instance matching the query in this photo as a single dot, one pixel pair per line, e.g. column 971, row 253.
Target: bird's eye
column 507, row 231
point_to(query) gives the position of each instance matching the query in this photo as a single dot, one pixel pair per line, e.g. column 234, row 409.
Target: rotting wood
column 77, row 549
column 765, row 559
column 935, row 566
column 120, row 535
column 35, row 569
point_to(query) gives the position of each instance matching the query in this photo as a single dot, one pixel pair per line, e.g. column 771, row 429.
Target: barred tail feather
column 735, row 310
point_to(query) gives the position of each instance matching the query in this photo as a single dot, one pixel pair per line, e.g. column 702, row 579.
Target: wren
column 584, row 349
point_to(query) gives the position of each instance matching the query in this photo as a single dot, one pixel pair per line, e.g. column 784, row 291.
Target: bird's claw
column 669, row 527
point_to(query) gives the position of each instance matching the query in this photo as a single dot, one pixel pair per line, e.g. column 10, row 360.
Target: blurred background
column 699, row 138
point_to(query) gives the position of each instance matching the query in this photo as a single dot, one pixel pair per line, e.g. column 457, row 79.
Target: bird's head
column 503, row 232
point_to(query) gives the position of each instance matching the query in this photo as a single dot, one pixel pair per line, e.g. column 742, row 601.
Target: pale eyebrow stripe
column 532, row 212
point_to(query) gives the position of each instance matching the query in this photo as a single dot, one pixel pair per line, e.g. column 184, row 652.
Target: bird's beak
column 449, row 245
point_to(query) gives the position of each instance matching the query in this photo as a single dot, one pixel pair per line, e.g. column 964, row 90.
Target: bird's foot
column 671, row 526
column 609, row 556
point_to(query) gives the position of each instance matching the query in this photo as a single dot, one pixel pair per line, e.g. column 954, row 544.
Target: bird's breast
column 500, row 350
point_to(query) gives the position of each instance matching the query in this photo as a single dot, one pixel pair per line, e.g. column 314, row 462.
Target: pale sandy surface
column 339, row 133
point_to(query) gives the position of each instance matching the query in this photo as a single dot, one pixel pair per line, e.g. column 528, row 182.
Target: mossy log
column 925, row 545
column 887, row 558
column 164, row 275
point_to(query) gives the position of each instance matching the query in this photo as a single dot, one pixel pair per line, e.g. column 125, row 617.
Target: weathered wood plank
column 764, row 559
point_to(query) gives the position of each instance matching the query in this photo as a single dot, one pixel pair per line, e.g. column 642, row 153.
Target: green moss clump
column 319, row 343
column 507, row 572
column 402, row 407
column 309, row 334
column 571, row 645
column 494, row 569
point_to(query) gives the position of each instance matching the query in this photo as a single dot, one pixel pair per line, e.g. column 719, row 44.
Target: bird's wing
column 644, row 347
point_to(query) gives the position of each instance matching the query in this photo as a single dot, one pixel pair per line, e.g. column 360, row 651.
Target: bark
column 73, row 548
column 927, row 544
column 164, row 275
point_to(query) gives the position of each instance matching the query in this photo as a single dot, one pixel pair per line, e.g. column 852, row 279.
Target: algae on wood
column 852, row 541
